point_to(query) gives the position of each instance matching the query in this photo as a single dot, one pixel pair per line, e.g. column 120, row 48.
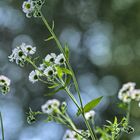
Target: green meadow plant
column 4, row 89
column 56, row 72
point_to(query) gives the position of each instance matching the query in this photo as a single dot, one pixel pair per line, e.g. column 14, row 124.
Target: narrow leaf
column 89, row 106
column 54, row 92
column 92, row 104
column 54, row 86
column 67, row 51
column 67, row 71
column 68, row 80
column 59, row 72
column 115, row 120
column 50, row 38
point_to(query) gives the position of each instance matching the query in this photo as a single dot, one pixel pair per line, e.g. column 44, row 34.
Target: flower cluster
column 128, row 93
column 20, row 53
column 50, row 106
column 72, row 135
column 53, row 59
column 4, row 84
column 32, row 8
column 48, row 68
column 90, row 115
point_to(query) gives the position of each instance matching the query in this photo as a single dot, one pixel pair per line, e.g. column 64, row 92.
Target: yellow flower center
column 28, row 5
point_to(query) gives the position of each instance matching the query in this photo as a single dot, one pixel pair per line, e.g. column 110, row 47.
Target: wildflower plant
column 4, row 89
column 56, row 72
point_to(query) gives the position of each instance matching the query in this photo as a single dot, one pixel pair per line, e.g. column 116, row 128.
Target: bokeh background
column 104, row 39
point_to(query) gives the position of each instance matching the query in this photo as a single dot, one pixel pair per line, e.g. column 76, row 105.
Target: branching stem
column 93, row 136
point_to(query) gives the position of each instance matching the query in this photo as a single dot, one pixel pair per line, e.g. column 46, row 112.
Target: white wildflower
column 4, row 80
column 28, row 49
column 50, row 57
column 60, row 59
column 4, row 84
column 126, row 98
column 72, row 135
column 28, row 7
column 32, row 7
column 13, row 56
column 69, row 135
column 90, row 115
column 33, row 76
column 49, row 71
column 20, row 53
column 135, row 95
column 126, row 90
column 17, row 54
column 50, row 106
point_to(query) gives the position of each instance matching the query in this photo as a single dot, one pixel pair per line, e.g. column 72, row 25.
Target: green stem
column 127, row 117
column 2, row 128
column 72, row 97
column 128, row 112
column 113, row 137
column 67, row 119
column 93, row 136
column 62, row 51
column 68, row 125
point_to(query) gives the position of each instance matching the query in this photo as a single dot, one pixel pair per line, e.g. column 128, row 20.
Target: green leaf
column 54, row 86
column 54, row 92
column 109, row 122
column 89, row 106
column 68, row 80
column 67, row 71
column 50, row 38
column 92, row 104
column 59, row 72
column 46, row 63
column 115, row 121
column 67, row 51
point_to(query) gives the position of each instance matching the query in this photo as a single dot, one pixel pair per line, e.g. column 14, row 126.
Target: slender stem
column 67, row 119
column 73, row 76
column 128, row 112
column 72, row 97
column 127, row 117
column 86, row 122
column 72, row 125
column 69, row 126
column 113, row 137
column 62, row 51
column 2, row 128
